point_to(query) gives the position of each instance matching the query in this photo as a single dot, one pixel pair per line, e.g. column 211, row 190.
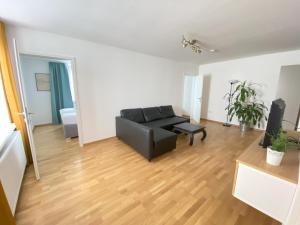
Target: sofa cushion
column 160, row 134
column 166, row 122
column 164, row 141
column 152, row 113
column 135, row 115
column 167, row 111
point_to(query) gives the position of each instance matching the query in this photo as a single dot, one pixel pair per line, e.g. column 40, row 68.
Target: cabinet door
column 268, row 194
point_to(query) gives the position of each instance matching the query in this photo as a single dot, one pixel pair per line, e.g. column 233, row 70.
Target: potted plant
column 276, row 151
column 246, row 107
column 279, row 145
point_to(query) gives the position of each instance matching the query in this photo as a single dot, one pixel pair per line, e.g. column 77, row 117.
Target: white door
column 196, row 98
column 25, row 113
column 187, row 95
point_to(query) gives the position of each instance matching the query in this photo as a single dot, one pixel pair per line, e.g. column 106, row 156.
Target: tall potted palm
column 246, row 107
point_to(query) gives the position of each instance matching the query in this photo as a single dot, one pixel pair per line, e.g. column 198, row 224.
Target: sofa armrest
column 136, row 135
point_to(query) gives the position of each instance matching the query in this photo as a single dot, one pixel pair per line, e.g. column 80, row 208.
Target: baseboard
column 99, row 141
column 233, row 125
column 44, row 124
column 41, row 125
column 202, row 119
column 219, row 122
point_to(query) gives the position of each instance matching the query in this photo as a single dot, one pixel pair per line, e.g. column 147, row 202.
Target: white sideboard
column 269, row 189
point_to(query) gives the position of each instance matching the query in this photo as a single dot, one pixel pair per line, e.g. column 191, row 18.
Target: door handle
column 21, row 114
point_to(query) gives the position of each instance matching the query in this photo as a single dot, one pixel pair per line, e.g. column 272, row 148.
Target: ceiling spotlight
column 195, row 45
column 184, row 42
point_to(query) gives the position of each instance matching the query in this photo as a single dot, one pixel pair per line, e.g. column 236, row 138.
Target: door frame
column 75, row 84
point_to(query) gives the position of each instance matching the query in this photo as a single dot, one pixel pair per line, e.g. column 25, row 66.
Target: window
column 69, row 68
column 6, row 127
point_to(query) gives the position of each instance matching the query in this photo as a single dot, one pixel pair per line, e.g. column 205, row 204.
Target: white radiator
column 12, row 167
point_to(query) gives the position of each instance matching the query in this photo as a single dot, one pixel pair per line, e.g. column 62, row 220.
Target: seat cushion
column 167, row 111
column 160, row 134
column 167, row 122
column 164, row 141
column 135, row 115
column 151, row 114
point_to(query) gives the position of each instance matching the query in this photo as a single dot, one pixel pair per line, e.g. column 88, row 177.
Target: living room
column 118, row 64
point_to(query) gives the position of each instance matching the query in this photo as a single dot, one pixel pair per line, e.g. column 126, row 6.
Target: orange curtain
column 10, row 90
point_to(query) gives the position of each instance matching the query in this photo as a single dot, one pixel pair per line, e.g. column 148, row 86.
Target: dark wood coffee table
column 190, row 129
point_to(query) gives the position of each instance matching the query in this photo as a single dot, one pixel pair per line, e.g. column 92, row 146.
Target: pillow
column 167, row 111
column 135, row 115
column 152, row 113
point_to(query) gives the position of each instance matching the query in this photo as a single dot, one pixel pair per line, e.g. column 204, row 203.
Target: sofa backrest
column 167, row 111
column 152, row 113
column 148, row 114
column 135, row 115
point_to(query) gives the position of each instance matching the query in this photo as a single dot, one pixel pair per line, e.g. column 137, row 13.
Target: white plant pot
column 274, row 158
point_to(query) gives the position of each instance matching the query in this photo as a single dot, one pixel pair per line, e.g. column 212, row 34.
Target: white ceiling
column 236, row 28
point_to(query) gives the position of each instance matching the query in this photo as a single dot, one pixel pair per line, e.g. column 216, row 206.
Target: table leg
column 204, row 135
column 191, row 139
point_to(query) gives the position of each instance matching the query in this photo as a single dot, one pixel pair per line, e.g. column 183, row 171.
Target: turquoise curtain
column 60, row 90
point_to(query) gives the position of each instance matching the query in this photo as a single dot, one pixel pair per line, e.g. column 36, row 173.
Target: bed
column 69, row 122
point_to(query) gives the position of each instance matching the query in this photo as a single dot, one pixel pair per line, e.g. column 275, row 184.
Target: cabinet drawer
column 268, row 194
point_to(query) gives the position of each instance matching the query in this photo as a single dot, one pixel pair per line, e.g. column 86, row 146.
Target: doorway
column 50, row 101
column 288, row 90
column 192, row 97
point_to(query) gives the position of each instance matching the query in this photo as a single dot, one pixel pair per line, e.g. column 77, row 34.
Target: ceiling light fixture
column 195, row 45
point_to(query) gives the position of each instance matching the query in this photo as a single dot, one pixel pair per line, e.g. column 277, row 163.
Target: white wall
column 109, row 78
column 289, row 90
column 39, row 102
column 187, row 95
column 263, row 69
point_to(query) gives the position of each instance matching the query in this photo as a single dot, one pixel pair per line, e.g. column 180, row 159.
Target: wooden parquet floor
column 109, row 183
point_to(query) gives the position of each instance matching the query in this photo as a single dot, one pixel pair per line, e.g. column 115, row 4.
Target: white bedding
column 68, row 116
column 67, row 110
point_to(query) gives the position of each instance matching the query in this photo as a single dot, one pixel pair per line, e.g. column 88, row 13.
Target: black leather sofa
column 148, row 130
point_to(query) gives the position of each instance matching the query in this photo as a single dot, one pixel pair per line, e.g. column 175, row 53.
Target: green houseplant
column 280, row 144
column 246, row 107
column 276, row 151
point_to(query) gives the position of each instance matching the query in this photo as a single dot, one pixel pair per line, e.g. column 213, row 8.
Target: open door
column 25, row 113
column 196, row 95
column 192, row 97
column 197, row 98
